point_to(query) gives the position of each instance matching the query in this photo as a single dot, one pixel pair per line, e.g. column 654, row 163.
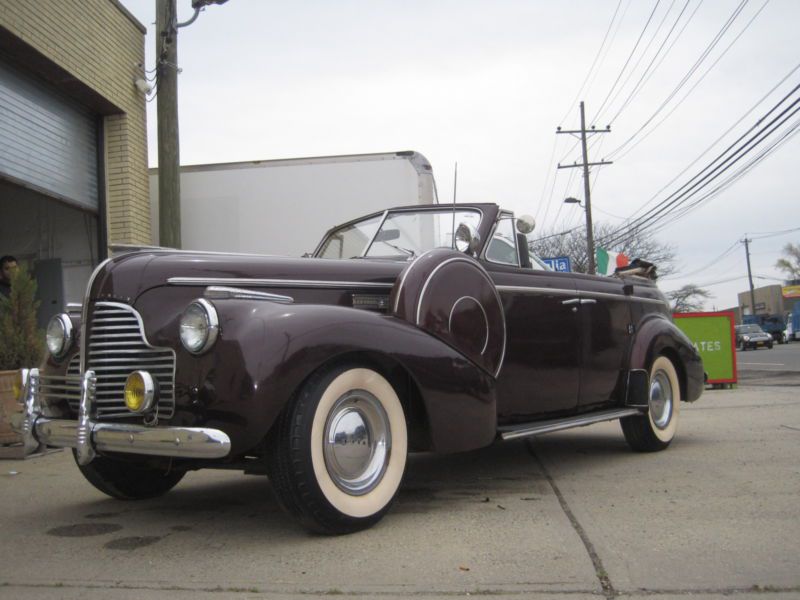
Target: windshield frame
column 439, row 208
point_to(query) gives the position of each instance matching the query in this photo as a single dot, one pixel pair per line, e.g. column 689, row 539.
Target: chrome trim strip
column 491, row 285
column 563, row 292
column 536, row 290
column 280, row 283
column 624, row 298
column 85, row 313
column 215, row 292
column 485, row 319
column 517, row 431
column 177, row 442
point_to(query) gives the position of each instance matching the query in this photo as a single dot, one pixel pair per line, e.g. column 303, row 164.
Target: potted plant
column 21, row 347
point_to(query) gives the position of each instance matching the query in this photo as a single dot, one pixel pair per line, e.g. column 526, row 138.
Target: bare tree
column 790, row 264
column 689, row 298
column 573, row 244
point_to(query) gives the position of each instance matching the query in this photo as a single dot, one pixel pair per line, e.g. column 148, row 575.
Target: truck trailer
column 285, row 206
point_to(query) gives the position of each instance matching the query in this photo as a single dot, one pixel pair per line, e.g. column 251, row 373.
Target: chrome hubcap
column 357, row 442
column 660, row 400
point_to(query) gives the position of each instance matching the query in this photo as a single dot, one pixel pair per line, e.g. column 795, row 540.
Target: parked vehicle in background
column 285, row 206
column 793, row 323
column 774, row 325
column 408, row 330
column 752, row 336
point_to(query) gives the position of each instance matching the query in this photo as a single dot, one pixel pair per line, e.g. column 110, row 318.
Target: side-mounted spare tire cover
column 451, row 296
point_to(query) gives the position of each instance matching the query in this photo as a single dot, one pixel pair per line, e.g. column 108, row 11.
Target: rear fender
column 657, row 335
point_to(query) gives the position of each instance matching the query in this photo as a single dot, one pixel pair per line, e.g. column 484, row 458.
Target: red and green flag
column 608, row 262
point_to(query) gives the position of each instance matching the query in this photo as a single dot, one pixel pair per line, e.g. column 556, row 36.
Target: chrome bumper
column 88, row 436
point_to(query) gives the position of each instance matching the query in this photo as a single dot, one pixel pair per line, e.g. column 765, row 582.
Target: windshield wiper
column 408, row 251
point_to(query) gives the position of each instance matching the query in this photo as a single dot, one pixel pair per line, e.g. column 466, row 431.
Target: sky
column 485, row 85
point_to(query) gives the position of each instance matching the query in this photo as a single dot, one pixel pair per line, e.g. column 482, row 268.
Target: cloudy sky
column 485, row 84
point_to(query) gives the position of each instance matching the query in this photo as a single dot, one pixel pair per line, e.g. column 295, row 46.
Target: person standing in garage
column 8, row 264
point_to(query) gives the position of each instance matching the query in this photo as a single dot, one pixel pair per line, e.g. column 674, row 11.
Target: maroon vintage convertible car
column 418, row 328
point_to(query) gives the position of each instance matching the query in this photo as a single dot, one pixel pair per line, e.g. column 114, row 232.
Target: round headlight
column 59, row 335
column 746, row 338
column 199, row 326
column 140, row 392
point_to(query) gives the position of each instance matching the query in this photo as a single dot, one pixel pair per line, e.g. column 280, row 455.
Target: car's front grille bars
column 116, row 347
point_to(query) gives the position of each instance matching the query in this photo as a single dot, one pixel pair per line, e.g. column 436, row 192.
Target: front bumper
column 88, row 436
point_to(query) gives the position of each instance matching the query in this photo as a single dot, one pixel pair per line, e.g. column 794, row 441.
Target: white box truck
column 285, row 206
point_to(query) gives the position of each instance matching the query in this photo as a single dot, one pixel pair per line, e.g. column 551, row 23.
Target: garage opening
column 50, row 198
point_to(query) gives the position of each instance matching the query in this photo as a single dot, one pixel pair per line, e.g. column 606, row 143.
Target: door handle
column 571, row 301
column 588, row 301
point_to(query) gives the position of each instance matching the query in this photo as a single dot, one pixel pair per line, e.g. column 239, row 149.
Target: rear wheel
column 654, row 431
column 337, row 455
column 126, row 480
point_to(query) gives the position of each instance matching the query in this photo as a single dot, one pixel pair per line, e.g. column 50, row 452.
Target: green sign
column 712, row 335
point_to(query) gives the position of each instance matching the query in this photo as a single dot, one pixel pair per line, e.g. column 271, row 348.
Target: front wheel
column 129, row 480
column 654, row 431
column 337, row 454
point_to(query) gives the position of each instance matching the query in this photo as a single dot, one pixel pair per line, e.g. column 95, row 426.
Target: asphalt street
column 569, row 515
column 779, row 365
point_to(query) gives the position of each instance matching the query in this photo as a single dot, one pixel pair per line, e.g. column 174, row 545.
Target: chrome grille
column 116, row 347
column 58, row 387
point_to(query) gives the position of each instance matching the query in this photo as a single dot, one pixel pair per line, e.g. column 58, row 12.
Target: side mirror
column 525, row 224
column 467, row 238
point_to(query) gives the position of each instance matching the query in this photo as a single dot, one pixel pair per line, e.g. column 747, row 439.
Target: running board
column 510, row 432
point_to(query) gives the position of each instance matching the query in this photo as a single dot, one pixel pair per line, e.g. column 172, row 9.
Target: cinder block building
column 73, row 165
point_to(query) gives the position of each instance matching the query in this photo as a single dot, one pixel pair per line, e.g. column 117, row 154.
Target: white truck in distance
column 285, row 206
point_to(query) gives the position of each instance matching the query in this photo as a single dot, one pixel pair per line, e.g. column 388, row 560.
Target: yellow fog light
column 140, row 392
column 19, row 385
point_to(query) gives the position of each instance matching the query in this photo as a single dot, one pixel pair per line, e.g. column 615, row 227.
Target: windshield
column 403, row 234
column 750, row 329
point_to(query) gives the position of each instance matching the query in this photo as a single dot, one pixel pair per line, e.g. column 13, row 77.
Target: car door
column 605, row 324
column 540, row 372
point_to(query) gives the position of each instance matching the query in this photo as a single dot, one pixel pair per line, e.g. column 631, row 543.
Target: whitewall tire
column 655, row 430
column 337, row 456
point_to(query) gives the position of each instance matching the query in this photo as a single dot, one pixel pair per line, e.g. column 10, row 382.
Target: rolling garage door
column 48, row 142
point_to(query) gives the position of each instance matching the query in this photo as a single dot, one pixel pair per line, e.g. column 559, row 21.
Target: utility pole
column 169, row 159
column 750, row 275
column 169, row 182
column 586, row 183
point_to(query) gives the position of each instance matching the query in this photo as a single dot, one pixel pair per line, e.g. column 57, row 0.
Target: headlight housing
column 140, row 392
column 59, row 335
column 746, row 338
column 199, row 326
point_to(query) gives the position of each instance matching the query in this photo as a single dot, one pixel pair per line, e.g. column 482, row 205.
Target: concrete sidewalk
column 572, row 515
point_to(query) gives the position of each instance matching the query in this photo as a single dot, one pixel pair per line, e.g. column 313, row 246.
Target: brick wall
column 102, row 46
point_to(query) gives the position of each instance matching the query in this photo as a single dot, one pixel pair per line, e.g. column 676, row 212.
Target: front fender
column 657, row 335
column 265, row 352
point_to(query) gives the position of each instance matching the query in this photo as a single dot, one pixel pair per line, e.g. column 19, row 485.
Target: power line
column 616, row 151
column 715, row 142
column 594, row 62
column 785, row 137
column 688, row 74
column 627, row 61
column 640, row 84
column 711, row 172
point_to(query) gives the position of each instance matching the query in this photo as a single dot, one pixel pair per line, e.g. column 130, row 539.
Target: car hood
column 124, row 278
column 757, row 336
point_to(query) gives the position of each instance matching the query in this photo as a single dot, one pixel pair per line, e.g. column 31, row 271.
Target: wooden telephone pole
column 587, row 196
column 169, row 170
column 169, row 156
